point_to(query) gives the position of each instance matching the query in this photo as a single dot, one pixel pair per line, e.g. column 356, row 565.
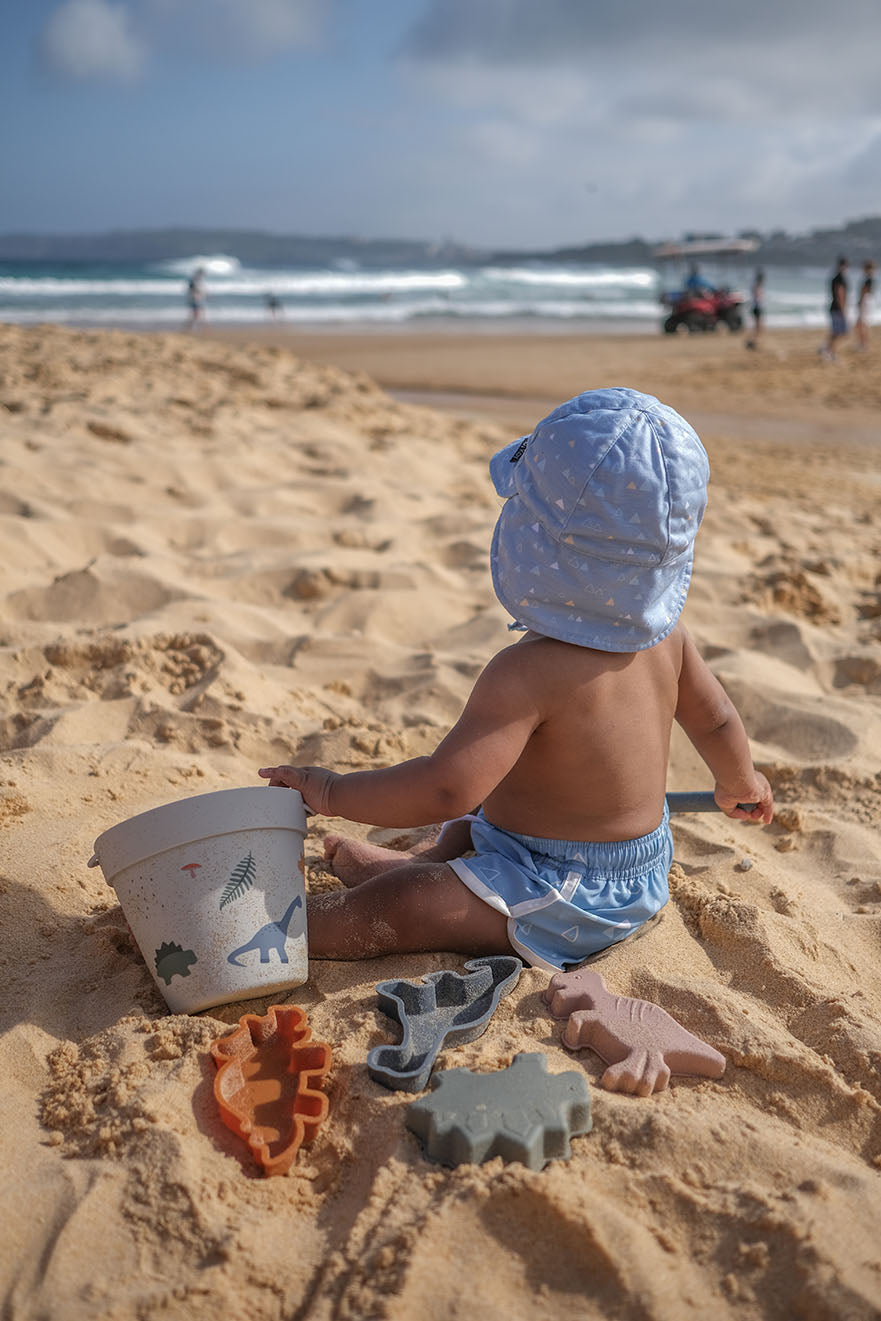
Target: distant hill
column 858, row 239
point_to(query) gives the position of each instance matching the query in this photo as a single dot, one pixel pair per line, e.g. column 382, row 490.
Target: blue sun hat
column 594, row 544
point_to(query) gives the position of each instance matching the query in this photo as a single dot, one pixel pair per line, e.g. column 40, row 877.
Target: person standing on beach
column 864, row 306
column 196, row 297
column 758, row 308
column 837, row 310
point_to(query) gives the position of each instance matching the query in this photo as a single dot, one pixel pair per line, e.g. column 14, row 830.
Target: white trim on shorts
column 482, row 891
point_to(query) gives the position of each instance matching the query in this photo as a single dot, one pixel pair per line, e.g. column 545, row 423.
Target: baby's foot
column 354, row 861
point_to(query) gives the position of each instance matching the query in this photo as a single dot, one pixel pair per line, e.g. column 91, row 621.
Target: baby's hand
column 758, row 792
column 313, row 782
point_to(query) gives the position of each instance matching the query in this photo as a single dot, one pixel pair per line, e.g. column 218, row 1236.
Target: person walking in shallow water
column 196, row 297
column 864, row 306
column 758, row 309
column 837, row 310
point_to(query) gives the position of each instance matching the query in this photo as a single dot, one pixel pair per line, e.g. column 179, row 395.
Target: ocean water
column 538, row 295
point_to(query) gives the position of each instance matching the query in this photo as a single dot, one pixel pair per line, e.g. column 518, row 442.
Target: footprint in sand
column 104, row 431
column 803, row 734
column 10, row 505
column 464, row 555
column 88, row 596
column 782, row 639
column 862, row 669
column 870, row 606
column 796, row 729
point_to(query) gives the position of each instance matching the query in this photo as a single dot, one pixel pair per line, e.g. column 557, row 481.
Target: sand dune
column 216, row 554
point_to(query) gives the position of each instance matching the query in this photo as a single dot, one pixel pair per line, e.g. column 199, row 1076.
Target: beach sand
column 223, row 551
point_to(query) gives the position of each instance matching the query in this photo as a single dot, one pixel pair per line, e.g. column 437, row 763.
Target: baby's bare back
column 595, row 767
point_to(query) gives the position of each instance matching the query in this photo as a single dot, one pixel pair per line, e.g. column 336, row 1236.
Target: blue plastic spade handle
column 699, row 802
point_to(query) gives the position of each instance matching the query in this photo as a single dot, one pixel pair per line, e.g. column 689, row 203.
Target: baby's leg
column 412, row 908
column 355, row 861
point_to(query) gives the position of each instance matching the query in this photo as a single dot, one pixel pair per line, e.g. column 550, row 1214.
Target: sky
column 499, row 123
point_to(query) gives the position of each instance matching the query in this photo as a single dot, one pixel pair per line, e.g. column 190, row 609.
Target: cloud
column 276, row 23
column 104, row 41
column 86, row 39
column 525, row 33
column 657, row 117
column 782, row 58
column 249, row 29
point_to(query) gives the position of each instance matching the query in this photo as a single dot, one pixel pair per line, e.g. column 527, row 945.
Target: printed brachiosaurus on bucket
column 270, row 937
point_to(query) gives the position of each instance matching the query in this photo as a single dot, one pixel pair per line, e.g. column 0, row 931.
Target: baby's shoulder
column 547, row 658
column 537, row 649
column 546, row 661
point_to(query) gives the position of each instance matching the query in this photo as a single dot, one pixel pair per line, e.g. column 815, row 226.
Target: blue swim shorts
column 566, row 900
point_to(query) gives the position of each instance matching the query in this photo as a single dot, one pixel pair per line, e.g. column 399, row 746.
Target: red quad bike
column 711, row 302
column 704, row 309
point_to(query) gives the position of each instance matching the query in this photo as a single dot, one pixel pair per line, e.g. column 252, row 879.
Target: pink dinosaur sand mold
column 268, row 1081
column 640, row 1041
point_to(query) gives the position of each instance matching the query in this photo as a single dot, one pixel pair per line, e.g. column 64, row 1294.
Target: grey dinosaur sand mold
column 445, row 1009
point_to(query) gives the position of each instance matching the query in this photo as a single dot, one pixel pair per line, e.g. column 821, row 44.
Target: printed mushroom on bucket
column 213, row 889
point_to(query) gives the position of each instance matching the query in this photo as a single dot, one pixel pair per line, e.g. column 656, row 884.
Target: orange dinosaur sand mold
column 268, row 1081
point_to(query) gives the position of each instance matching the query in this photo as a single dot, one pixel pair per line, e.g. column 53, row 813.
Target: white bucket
column 214, row 891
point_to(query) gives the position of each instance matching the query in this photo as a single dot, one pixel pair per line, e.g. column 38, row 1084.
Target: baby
column 565, row 738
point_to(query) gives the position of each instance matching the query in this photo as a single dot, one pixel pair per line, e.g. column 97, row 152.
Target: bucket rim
column 132, row 841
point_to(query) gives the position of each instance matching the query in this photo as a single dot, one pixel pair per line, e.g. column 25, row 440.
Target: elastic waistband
column 620, row 854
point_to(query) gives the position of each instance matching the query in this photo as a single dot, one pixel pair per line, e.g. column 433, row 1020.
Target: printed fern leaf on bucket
column 241, row 879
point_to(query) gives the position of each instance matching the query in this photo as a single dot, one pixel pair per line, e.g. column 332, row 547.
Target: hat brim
column 503, row 467
column 607, row 605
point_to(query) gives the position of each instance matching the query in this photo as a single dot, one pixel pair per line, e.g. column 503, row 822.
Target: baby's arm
column 475, row 756
column 709, row 718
